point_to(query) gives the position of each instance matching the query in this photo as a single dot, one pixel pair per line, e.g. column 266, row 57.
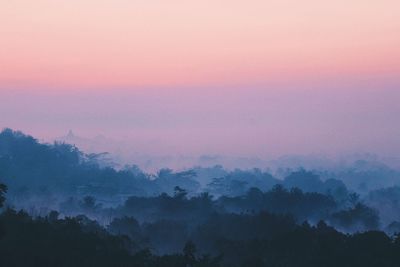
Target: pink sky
column 241, row 77
column 109, row 43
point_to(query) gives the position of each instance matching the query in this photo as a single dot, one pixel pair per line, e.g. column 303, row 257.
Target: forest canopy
column 62, row 207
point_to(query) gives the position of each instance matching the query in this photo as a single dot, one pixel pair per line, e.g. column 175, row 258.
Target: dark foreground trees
column 69, row 242
column 48, row 242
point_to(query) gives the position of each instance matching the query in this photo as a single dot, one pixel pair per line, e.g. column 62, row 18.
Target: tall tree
column 3, row 190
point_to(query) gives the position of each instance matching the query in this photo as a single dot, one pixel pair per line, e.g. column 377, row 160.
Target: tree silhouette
column 189, row 251
column 3, row 190
column 179, row 193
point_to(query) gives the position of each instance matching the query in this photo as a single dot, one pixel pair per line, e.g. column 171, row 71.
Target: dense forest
column 62, row 207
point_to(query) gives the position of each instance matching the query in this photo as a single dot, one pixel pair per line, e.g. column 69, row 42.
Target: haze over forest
column 229, row 133
column 176, row 217
column 260, row 122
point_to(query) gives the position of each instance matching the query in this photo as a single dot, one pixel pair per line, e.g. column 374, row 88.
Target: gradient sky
column 233, row 77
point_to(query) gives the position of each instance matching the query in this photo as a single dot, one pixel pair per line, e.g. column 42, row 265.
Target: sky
column 254, row 78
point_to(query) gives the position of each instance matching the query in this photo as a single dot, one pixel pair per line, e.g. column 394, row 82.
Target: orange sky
column 121, row 43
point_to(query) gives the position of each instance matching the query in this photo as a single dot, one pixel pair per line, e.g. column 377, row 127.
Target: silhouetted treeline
column 165, row 222
column 31, row 168
column 63, row 208
column 261, row 239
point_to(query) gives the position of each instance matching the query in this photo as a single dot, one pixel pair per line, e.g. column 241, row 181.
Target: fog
column 264, row 122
